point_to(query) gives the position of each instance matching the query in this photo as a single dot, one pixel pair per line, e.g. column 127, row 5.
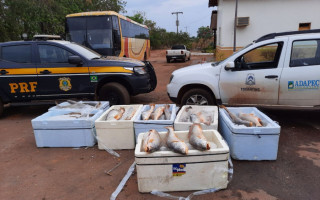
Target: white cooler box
column 159, row 125
column 116, row 134
column 179, row 125
column 104, row 105
column 170, row 171
column 250, row 143
column 57, row 129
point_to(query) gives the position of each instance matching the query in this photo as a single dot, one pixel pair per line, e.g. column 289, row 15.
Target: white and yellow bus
column 109, row 34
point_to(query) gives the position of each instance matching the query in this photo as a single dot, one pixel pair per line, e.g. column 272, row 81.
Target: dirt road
column 28, row 172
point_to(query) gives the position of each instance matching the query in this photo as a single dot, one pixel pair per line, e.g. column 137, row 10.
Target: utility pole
column 177, row 22
column 186, row 29
column 235, row 27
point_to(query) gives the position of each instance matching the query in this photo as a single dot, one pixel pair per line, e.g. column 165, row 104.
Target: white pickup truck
column 276, row 69
column 178, row 52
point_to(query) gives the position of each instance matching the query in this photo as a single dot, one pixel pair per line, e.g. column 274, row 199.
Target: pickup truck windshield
column 83, row 51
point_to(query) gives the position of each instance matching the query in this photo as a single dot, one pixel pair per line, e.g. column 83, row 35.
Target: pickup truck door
column 255, row 78
column 57, row 77
column 300, row 80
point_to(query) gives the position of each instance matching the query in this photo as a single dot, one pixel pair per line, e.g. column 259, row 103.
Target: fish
column 115, row 114
column 197, row 139
column 151, row 141
column 158, row 112
column 133, row 111
column 162, row 117
column 185, row 115
column 167, row 112
column 251, row 118
column 204, row 119
column 119, row 115
column 126, row 113
column 174, row 143
column 146, row 115
column 201, row 118
column 235, row 119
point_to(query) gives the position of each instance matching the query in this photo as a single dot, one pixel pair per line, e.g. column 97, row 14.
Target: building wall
column 266, row 16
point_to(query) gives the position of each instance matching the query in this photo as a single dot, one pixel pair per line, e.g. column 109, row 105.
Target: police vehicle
column 47, row 68
column 277, row 69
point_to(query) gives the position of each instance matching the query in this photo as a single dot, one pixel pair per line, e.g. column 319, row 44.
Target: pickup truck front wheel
column 115, row 93
column 197, row 96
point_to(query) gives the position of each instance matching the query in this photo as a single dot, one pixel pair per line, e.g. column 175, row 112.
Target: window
column 263, row 57
column 304, row 26
column 132, row 30
column 53, row 54
column 305, row 53
column 17, row 53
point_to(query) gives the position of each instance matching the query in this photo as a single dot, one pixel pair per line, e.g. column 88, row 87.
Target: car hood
column 123, row 59
column 191, row 68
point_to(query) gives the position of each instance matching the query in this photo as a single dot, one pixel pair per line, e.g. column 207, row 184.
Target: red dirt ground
column 28, row 172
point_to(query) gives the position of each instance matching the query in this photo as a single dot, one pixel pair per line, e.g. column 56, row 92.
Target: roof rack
column 273, row 35
column 46, row 37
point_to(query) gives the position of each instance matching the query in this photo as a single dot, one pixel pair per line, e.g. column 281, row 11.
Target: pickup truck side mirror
column 229, row 65
column 75, row 60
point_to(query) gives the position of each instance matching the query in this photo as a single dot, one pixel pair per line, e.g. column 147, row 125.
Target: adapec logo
column 304, row 85
column 250, row 79
column 65, row 84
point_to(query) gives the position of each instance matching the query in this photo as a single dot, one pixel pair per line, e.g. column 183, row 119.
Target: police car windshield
column 84, row 51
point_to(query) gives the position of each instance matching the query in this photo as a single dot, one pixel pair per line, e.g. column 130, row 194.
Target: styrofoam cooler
column 116, row 134
column 170, row 171
column 141, row 125
column 250, row 143
column 104, row 105
column 53, row 130
column 183, row 126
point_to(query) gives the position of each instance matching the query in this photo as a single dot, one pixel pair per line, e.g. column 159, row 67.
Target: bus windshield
column 95, row 32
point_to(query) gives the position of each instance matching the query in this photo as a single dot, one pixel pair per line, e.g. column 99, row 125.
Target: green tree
column 45, row 16
column 204, row 38
column 138, row 17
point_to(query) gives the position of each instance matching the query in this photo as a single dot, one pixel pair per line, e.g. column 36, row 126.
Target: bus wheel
column 185, row 58
column 115, row 93
column 168, row 60
column 1, row 107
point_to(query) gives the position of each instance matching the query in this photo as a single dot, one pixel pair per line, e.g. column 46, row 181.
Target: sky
column 196, row 13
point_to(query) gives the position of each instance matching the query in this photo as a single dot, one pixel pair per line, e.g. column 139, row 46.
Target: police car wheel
column 115, row 93
column 1, row 107
column 197, row 96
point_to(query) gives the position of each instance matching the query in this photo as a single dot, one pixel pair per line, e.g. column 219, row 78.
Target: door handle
column 3, row 72
column 45, row 72
column 271, row 76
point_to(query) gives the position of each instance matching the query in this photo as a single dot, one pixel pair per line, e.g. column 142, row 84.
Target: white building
column 260, row 17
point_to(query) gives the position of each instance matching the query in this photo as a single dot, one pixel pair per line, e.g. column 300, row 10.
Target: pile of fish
column 193, row 116
column 70, row 116
column 247, row 119
column 152, row 141
column 120, row 114
column 78, row 105
column 161, row 113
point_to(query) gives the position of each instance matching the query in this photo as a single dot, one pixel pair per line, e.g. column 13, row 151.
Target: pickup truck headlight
column 139, row 70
